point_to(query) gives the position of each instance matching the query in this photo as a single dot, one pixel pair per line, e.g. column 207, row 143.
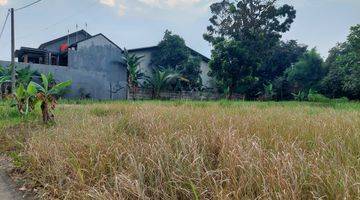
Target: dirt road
column 7, row 188
column 7, row 192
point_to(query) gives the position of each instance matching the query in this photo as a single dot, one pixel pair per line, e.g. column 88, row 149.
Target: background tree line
column 250, row 58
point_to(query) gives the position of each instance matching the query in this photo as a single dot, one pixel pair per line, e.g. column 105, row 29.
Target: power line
column 60, row 21
column 28, row 5
column 56, row 23
column 3, row 27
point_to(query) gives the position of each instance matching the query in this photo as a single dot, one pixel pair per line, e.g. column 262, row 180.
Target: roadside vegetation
column 188, row 150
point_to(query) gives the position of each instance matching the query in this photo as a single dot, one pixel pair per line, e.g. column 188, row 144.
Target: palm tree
column 161, row 79
column 134, row 73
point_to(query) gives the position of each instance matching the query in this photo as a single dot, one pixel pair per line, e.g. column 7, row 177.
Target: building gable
column 154, row 48
column 54, row 45
column 97, row 38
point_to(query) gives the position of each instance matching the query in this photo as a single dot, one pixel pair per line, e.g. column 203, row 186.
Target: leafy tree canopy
column 307, row 73
column 232, row 66
column 284, row 55
column 256, row 27
column 172, row 51
column 343, row 65
column 253, row 20
column 191, row 71
column 173, row 54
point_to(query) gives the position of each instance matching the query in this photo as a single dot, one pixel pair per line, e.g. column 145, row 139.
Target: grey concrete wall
column 92, row 82
column 101, row 56
column 93, row 68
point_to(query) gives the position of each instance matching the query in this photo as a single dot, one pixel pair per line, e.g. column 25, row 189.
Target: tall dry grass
column 196, row 151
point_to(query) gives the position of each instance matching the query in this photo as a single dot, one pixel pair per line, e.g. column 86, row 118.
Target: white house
column 146, row 66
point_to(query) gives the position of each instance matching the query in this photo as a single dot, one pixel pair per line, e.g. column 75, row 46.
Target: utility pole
column 13, row 79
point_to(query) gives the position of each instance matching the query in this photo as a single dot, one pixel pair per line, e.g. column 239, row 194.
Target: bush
column 316, row 97
column 341, row 100
column 300, row 96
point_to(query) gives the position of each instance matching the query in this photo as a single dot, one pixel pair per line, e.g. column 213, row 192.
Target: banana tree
column 25, row 98
column 47, row 96
column 134, row 73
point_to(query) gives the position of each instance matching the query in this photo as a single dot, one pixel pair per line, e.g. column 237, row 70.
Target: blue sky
column 139, row 23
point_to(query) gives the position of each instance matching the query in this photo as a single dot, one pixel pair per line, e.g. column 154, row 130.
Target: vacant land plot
column 189, row 150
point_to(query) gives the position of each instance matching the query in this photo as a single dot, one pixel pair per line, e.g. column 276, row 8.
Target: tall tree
column 284, row 55
column 307, row 73
column 232, row 66
column 191, row 71
column 333, row 83
column 260, row 22
column 173, row 54
column 343, row 65
column 255, row 25
column 172, row 51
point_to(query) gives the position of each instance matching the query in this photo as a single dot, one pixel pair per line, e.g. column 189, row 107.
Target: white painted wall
column 206, row 79
column 145, row 66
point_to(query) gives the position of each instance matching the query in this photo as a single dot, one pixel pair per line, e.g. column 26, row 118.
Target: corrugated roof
column 206, row 59
column 64, row 37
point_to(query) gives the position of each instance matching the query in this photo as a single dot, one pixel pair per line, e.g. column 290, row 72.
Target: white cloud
column 170, row 3
column 145, row 6
column 115, row 4
column 173, row 3
column 110, row 3
column 122, row 9
column 3, row 2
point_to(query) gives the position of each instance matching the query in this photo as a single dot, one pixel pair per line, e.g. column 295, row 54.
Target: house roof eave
column 206, row 59
column 63, row 37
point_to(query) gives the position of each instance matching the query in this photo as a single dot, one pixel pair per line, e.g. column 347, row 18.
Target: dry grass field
column 189, row 150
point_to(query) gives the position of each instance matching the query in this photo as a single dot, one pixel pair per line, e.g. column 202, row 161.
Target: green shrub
column 225, row 103
column 17, row 159
column 341, row 100
column 313, row 96
column 100, row 112
column 300, row 96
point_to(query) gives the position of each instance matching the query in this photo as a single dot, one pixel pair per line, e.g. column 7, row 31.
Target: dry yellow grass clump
column 196, row 151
